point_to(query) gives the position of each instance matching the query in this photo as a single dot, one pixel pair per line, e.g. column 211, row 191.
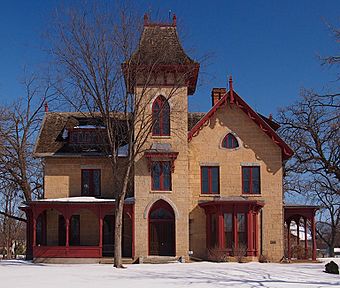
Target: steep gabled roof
column 267, row 127
column 160, row 49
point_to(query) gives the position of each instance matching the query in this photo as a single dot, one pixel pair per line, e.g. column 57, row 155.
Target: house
column 205, row 181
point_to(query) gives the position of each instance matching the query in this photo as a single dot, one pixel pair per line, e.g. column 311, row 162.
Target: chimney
column 217, row 94
column 46, row 107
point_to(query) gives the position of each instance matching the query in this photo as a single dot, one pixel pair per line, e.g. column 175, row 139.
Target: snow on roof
column 82, row 199
column 75, row 199
column 88, row 127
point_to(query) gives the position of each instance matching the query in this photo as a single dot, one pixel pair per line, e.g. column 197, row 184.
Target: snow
column 293, row 230
column 76, row 199
column 17, row 273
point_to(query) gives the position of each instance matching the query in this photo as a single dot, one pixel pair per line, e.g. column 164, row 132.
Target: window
column 210, row 180
column 213, row 231
column 229, row 141
column 87, row 136
column 161, row 175
column 241, row 229
column 251, row 180
column 90, row 182
column 228, row 230
column 161, row 117
column 75, row 230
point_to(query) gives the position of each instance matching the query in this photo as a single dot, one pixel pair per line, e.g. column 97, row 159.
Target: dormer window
column 230, row 141
column 86, row 135
column 160, row 117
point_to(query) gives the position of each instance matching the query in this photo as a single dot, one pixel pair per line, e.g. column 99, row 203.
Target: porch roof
column 77, row 200
column 231, row 200
column 294, row 210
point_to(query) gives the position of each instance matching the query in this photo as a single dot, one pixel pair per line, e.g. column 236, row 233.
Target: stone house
column 206, row 180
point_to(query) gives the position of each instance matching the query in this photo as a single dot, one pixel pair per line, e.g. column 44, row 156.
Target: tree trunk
column 117, row 262
column 331, row 250
column 118, row 232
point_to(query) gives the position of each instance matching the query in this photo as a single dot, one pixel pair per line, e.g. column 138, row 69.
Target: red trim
column 225, row 141
column 160, row 116
column 190, row 71
column 91, row 182
column 161, row 156
column 161, row 176
column 158, row 205
column 210, row 180
column 287, row 152
column 251, row 179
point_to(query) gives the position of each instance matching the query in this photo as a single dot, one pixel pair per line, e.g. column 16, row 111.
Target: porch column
column 220, row 231
column 313, row 239
column 297, row 221
column 288, row 238
column 306, row 241
column 67, row 221
column 256, row 236
column 208, row 229
column 100, row 233
column 235, row 229
column 34, row 231
column 250, row 248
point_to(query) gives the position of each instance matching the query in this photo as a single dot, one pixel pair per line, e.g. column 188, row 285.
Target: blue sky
column 270, row 47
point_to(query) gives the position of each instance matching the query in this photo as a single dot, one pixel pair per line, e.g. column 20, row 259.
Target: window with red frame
column 90, row 182
column 230, row 141
column 210, row 182
column 161, row 176
column 251, row 180
column 161, row 117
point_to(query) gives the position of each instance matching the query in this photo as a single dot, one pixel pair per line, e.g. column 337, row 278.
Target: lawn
column 203, row 274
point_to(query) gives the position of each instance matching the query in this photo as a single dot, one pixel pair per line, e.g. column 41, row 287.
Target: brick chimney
column 217, row 94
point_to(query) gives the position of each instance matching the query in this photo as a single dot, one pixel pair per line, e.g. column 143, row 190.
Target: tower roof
column 159, row 44
column 159, row 47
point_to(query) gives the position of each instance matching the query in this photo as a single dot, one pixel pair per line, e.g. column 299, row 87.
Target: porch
column 232, row 226
column 303, row 216
column 76, row 227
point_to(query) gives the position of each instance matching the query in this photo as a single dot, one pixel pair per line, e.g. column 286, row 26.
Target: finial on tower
column 46, row 107
column 231, row 90
column 174, row 20
column 146, row 19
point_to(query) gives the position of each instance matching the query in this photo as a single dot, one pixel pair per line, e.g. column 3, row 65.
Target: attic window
column 230, row 141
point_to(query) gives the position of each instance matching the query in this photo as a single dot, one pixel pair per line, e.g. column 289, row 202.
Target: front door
column 108, row 236
column 161, row 230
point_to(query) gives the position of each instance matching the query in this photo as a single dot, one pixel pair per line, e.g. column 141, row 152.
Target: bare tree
column 98, row 73
column 311, row 127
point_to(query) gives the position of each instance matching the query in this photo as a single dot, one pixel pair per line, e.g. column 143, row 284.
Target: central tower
column 161, row 76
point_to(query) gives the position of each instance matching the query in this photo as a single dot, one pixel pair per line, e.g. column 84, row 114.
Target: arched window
column 161, row 117
column 229, row 141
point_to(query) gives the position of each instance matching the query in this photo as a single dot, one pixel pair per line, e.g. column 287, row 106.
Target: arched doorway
column 162, row 229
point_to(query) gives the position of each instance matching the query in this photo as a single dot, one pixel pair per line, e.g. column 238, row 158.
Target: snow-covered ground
column 203, row 274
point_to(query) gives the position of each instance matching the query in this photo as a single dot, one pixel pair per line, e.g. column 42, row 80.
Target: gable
column 230, row 100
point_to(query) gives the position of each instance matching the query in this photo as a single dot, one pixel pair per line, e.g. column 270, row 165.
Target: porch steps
column 158, row 259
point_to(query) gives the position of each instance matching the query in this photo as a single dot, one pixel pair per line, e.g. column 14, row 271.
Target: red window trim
column 225, row 142
column 163, row 103
column 161, row 176
column 210, row 179
column 251, row 180
column 91, row 185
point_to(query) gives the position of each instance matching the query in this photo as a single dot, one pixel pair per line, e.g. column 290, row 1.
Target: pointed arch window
column 161, row 117
column 230, row 141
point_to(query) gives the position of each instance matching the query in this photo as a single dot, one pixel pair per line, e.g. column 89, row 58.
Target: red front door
column 162, row 230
